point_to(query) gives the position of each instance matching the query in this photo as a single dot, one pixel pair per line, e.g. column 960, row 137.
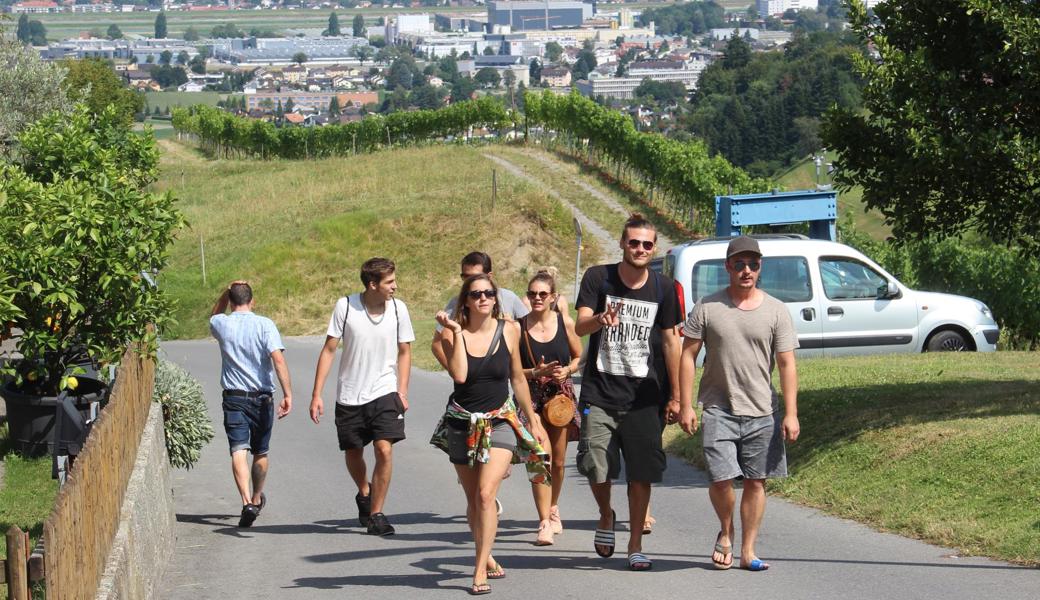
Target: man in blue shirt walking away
column 251, row 353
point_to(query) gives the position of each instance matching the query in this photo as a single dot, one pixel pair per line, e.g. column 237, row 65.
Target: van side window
column 785, row 278
column 849, row 279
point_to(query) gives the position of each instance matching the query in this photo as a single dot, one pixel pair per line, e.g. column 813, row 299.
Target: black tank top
column 487, row 390
column 555, row 349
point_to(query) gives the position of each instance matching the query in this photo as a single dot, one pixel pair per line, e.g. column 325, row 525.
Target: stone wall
column 144, row 543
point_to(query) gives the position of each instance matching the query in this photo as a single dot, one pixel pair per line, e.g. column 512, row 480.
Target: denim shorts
column 248, row 422
column 737, row 447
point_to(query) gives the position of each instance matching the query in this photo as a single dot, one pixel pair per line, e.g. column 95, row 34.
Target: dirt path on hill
column 664, row 243
column 589, row 227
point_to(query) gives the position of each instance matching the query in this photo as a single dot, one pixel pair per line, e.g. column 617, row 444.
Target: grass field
column 299, row 231
column 64, row 25
column 940, row 447
column 802, row 176
column 27, row 494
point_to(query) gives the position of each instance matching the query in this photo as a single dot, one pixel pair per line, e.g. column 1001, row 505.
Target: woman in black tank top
column 549, row 353
column 483, row 359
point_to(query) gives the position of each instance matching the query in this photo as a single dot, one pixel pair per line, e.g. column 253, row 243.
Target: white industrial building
column 768, row 8
column 623, row 88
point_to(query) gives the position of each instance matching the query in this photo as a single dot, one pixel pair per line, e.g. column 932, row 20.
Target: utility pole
column 577, row 262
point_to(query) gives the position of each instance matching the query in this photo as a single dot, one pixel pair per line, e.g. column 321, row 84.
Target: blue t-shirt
column 246, row 343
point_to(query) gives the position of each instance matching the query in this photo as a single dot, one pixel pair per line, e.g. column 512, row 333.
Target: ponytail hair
column 637, row 221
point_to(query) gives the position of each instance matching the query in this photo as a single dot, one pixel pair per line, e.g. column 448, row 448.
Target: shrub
column 185, row 419
column 80, row 231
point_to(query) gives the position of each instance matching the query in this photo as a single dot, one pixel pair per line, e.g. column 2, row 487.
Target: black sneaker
column 364, row 508
column 249, row 514
column 379, row 525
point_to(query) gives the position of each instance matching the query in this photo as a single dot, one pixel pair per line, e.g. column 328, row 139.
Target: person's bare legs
column 558, row 458
column 481, row 484
column 638, row 502
column 752, row 509
column 601, row 493
column 542, row 499
column 240, row 470
column 381, row 473
column 259, row 475
column 355, row 459
column 723, row 499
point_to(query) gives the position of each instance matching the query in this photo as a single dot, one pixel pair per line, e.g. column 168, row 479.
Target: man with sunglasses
column 745, row 331
column 631, row 313
column 510, row 305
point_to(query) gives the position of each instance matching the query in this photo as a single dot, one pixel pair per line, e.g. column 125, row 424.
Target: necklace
column 369, row 315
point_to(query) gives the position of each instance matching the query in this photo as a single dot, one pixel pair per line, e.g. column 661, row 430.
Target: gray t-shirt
column 510, row 304
column 741, row 347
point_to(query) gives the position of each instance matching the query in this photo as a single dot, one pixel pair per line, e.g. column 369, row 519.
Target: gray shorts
column 502, row 436
column 608, row 436
column 742, row 447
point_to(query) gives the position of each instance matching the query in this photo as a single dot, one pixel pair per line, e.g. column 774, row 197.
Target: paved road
column 307, row 544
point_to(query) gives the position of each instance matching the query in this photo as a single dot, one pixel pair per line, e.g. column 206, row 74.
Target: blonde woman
column 549, row 353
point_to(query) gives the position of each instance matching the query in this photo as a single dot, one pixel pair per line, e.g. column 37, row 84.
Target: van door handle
column 835, row 310
column 808, row 314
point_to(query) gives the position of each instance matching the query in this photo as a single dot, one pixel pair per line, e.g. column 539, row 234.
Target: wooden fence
column 79, row 531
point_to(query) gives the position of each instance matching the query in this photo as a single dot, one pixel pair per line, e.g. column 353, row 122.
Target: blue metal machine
column 819, row 208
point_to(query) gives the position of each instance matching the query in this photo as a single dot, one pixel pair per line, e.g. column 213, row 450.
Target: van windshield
column 785, row 278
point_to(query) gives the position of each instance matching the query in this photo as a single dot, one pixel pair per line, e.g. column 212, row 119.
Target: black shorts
column 379, row 419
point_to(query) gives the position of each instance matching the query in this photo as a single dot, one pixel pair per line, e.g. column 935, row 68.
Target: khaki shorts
column 607, row 436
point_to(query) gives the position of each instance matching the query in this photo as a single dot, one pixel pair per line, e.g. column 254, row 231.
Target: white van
column 841, row 302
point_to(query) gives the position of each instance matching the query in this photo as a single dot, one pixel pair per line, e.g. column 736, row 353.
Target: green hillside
column 299, row 230
column 802, row 176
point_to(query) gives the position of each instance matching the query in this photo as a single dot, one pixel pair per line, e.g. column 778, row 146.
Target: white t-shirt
column 368, row 368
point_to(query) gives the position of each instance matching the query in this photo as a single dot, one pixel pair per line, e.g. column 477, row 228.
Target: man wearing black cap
column 745, row 331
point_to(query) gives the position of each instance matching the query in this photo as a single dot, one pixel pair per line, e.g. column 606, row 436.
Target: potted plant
column 80, row 229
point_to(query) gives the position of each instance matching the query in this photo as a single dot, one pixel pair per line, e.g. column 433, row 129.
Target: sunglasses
column 647, row 244
column 532, row 295
column 476, row 294
column 739, row 265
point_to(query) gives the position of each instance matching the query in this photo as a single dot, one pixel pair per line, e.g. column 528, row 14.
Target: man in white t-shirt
column 372, row 386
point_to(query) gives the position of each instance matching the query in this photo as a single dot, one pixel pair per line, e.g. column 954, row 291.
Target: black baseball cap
column 742, row 244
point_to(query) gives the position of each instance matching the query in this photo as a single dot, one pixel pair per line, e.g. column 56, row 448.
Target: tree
column 488, row 77
column 160, row 25
column 37, row 34
column 94, row 83
column 191, row 34
column 737, row 53
column 463, row 89
column 114, row 32
column 198, row 64
column 535, row 71
column 165, row 57
column 489, row 51
column 299, row 58
column 289, row 106
column 183, row 58
column 29, row 88
column 359, row 26
column 664, row 92
column 333, row 28
column 168, row 76
column 553, row 52
column 363, row 53
column 584, row 65
column 950, row 139
column 334, row 109
column 149, row 59
column 509, row 79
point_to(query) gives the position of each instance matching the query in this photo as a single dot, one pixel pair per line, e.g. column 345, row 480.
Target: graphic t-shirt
column 621, row 369
column 368, row 368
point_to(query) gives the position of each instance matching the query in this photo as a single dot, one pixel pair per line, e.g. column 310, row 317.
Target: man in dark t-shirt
column 631, row 313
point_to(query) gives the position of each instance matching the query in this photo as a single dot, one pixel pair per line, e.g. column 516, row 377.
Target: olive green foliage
column 29, row 88
column 187, row 424
column 224, row 133
column 94, row 83
column 80, row 230
column 688, row 18
column 950, row 141
column 684, row 174
column 992, row 273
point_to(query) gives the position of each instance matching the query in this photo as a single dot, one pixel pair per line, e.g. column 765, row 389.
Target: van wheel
column 948, row 341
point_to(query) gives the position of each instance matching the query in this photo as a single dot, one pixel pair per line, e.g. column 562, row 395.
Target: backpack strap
column 397, row 318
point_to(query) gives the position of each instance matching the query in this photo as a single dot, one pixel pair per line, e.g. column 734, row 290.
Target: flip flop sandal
column 479, row 589
column 605, row 537
column 497, row 573
column 757, row 565
column 725, row 551
column 637, row 561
